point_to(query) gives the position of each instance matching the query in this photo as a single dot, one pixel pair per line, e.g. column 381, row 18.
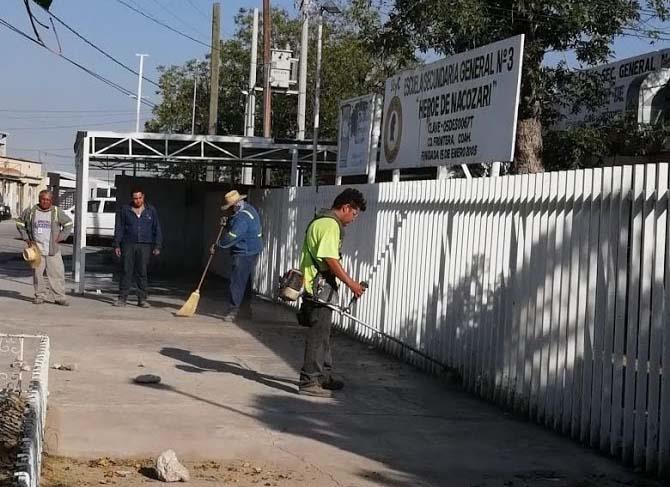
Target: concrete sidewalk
column 229, row 392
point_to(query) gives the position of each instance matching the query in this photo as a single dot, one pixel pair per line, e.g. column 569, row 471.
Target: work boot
column 332, row 384
column 119, row 303
column 231, row 314
column 314, row 390
column 38, row 301
column 62, row 302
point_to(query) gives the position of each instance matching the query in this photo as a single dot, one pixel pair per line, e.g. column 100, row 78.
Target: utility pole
column 267, row 70
column 195, row 93
column 317, row 95
column 331, row 8
column 302, row 81
column 251, row 98
column 139, row 91
column 215, row 62
column 248, row 172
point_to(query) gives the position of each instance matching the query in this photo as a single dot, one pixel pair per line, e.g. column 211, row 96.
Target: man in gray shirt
column 46, row 225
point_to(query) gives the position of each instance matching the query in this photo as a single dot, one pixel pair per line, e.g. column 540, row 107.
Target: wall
column 28, row 169
column 546, row 294
column 20, row 183
column 33, row 352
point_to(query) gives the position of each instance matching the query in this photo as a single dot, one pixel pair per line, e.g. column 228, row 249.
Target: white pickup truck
column 100, row 217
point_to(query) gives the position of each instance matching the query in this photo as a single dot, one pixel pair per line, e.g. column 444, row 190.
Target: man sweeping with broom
column 240, row 231
column 242, row 236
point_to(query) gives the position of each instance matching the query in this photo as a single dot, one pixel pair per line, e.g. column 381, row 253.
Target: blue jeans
column 240, row 279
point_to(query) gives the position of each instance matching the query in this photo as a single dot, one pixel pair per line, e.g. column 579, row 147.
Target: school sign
column 631, row 86
column 459, row 110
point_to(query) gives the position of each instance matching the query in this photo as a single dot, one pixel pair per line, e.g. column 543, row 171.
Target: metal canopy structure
column 112, row 150
column 153, row 152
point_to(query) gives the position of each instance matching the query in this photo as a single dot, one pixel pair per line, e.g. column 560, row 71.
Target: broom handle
column 209, row 261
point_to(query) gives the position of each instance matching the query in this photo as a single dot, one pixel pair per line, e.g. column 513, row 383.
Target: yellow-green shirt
column 322, row 241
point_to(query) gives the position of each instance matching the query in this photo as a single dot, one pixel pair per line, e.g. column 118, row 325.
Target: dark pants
column 318, row 358
column 134, row 262
column 240, row 279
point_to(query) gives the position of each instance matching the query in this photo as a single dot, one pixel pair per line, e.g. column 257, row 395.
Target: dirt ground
column 11, row 415
column 66, row 472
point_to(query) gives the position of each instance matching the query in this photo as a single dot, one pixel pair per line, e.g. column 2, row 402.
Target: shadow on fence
column 546, row 293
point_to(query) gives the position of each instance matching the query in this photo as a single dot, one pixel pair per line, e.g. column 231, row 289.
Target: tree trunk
column 528, row 157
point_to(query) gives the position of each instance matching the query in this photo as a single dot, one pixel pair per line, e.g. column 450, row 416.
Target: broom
column 191, row 304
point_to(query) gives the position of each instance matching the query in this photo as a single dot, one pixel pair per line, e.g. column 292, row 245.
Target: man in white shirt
column 46, row 225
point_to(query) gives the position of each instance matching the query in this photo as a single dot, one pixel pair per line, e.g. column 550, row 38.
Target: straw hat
column 232, row 198
column 32, row 255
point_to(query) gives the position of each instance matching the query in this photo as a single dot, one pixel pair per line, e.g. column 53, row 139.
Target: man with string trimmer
column 320, row 264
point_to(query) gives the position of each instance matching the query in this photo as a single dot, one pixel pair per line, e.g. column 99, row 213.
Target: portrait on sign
column 393, row 130
column 360, row 118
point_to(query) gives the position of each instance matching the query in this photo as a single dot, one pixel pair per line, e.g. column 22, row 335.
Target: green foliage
column 586, row 27
column 173, row 114
column 581, row 147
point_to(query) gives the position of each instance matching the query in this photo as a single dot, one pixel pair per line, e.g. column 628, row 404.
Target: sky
column 40, row 92
column 44, row 100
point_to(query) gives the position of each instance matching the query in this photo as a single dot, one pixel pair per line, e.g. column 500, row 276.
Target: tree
column 587, row 27
column 592, row 145
column 351, row 67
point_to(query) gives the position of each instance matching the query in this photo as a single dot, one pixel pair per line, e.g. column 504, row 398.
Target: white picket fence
column 547, row 293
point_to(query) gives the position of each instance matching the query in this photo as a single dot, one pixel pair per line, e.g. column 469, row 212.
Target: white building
column 21, row 180
column 3, row 143
column 636, row 85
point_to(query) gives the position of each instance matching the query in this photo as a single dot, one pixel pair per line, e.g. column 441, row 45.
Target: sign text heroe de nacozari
column 459, row 110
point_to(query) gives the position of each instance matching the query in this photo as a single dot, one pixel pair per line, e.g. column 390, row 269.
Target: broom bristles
column 190, row 306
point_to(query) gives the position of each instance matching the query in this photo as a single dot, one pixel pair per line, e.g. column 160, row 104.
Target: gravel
column 11, row 417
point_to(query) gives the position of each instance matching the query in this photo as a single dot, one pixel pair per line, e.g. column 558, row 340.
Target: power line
column 60, row 156
column 99, row 49
column 176, row 17
column 163, row 24
column 626, row 31
column 21, row 149
column 641, row 33
column 77, row 126
column 73, row 117
column 92, row 73
column 20, row 110
column 43, row 151
column 195, row 6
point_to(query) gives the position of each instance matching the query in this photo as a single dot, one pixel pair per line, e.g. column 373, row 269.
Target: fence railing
column 24, row 370
column 547, row 293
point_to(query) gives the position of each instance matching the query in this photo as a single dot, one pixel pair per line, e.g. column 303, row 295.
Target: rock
column 68, row 367
column 168, row 468
column 147, row 379
column 122, row 473
column 101, row 462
